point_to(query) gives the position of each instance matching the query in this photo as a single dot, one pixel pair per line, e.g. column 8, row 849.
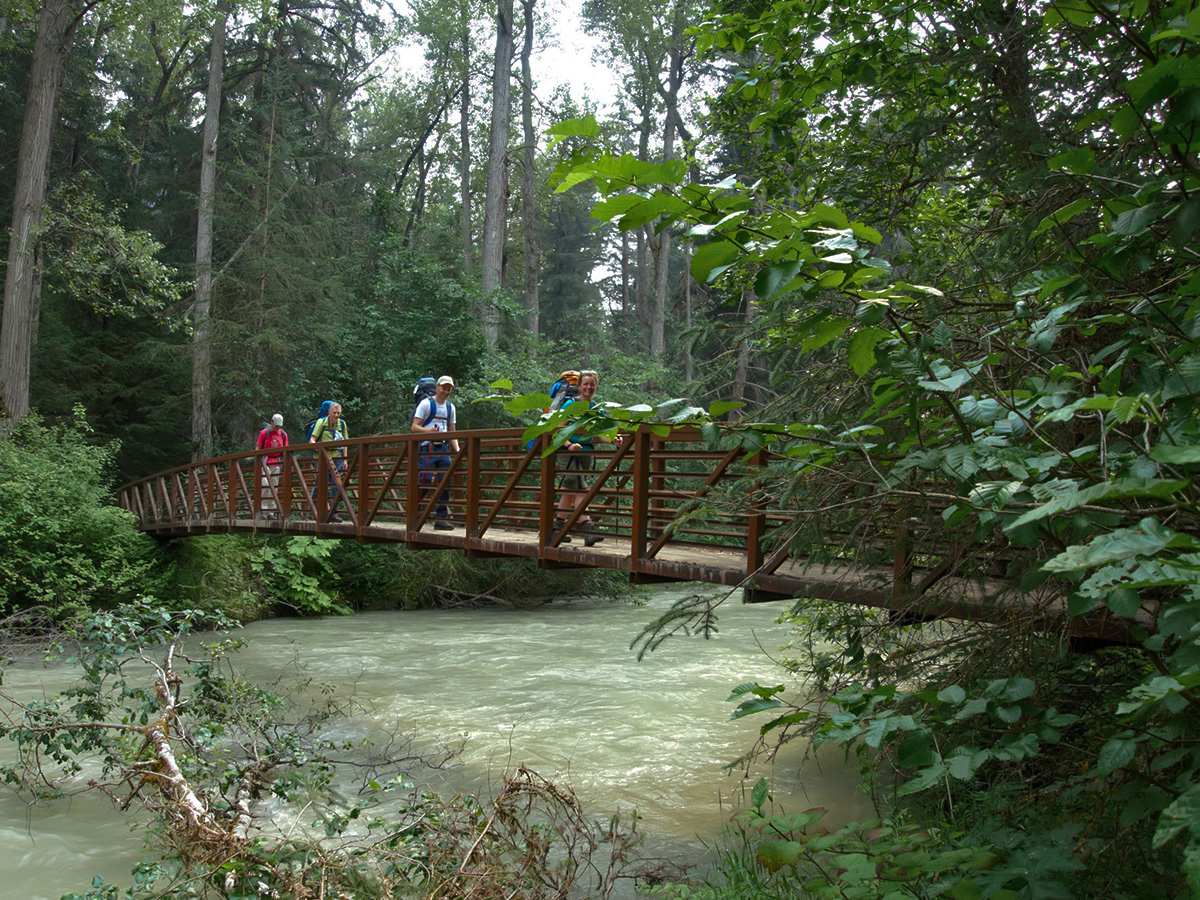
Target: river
column 555, row 688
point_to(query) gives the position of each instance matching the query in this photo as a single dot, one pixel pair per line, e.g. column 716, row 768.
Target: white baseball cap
column 446, row 379
column 277, row 419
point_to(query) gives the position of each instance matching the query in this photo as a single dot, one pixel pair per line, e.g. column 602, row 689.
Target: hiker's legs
column 430, row 465
column 339, row 466
column 270, row 485
column 443, row 510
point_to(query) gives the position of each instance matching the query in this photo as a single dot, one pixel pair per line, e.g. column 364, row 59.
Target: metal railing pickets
column 654, row 498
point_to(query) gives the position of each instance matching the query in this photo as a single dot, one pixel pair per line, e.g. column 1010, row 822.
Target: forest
column 944, row 259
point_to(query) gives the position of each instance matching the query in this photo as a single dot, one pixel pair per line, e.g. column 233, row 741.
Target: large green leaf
column 1183, row 813
column 712, row 258
column 774, row 855
column 860, row 351
column 1120, row 488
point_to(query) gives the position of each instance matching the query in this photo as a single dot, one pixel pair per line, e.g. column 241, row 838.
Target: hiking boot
column 335, row 518
column 442, row 525
column 558, row 526
column 590, row 540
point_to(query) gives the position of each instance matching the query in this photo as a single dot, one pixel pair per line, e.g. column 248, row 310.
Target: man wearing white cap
column 435, row 416
column 270, row 438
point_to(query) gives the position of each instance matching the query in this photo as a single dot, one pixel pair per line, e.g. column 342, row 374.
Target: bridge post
column 364, row 486
column 412, row 502
column 256, row 499
column 546, row 498
column 210, row 489
column 285, row 485
column 639, row 530
column 322, row 487
column 474, row 486
column 756, row 521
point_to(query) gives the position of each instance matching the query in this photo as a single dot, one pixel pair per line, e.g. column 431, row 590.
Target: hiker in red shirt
column 269, row 438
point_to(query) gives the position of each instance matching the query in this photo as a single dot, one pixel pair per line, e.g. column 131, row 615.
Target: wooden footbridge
column 650, row 497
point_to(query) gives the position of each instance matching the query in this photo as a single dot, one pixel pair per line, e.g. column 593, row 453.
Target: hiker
column 435, row 415
column 577, row 460
column 332, row 428
column 270, row 438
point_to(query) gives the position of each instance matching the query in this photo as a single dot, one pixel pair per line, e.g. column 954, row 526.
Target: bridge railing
column 652, row 494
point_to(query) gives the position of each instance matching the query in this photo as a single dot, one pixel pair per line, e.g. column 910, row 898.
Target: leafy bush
column 61, row 540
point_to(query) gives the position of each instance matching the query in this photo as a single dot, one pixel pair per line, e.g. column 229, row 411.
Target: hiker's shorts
column 573, row 465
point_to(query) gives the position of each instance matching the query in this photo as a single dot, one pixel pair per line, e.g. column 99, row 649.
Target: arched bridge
column 648, row 497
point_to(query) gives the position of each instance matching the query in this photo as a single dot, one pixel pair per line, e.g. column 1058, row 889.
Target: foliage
column 299, row 575
column 1003, row 358
column 113, row 270
column 61, row 539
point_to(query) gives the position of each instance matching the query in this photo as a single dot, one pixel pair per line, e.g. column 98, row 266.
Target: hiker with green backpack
column 332, row 427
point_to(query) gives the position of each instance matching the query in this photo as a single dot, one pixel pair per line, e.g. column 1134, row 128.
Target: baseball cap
column 277, row 419
column 446, row 379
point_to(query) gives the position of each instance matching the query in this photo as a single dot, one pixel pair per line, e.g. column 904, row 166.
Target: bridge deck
column 652, row 497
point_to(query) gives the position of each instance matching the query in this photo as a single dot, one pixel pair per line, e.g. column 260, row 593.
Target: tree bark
column 23, row 279
column 662, row 246
column 533, row 263
column 464, row 132
column 202, row 441
column 495, row 203
column 687, row 312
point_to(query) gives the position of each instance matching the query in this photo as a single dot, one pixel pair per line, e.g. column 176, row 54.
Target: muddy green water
column 555, row 688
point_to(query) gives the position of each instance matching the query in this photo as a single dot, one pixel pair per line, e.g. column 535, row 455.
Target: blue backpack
column 308, row 429
column 566, row 388
column 424, row 390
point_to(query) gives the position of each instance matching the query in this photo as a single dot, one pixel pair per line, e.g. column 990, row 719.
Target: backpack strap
column 433, row 413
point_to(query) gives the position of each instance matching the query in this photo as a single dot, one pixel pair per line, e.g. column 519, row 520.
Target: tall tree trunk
column 464, row 134
column 23, row 280
column 533, row 263
column 495, row 203
column 742, row 369
column 202, row 442
column 687, row 311
column 641, row 269
column 625, row 288
column 662, row 247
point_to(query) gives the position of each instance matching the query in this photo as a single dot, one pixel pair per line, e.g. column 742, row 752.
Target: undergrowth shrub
column 62, row 539
column 249, row 577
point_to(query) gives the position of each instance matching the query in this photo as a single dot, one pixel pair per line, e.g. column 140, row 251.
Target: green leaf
column 951, row 381
column 953, row 694
column 1183, row 813
column 758, row 796
column 829, row 329
column 711, row 259
column 774, row 855
column 772, row 280
column 1079, row 161
column 925, row 779
column 1148, row 538
column 1176, row 454
column 1122, row 487
column 721, row 407
column 1124, row 602
column 860, row 351
column 1064, row 215
column 1117, row 753
column 750, row 707
column 585, row 126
